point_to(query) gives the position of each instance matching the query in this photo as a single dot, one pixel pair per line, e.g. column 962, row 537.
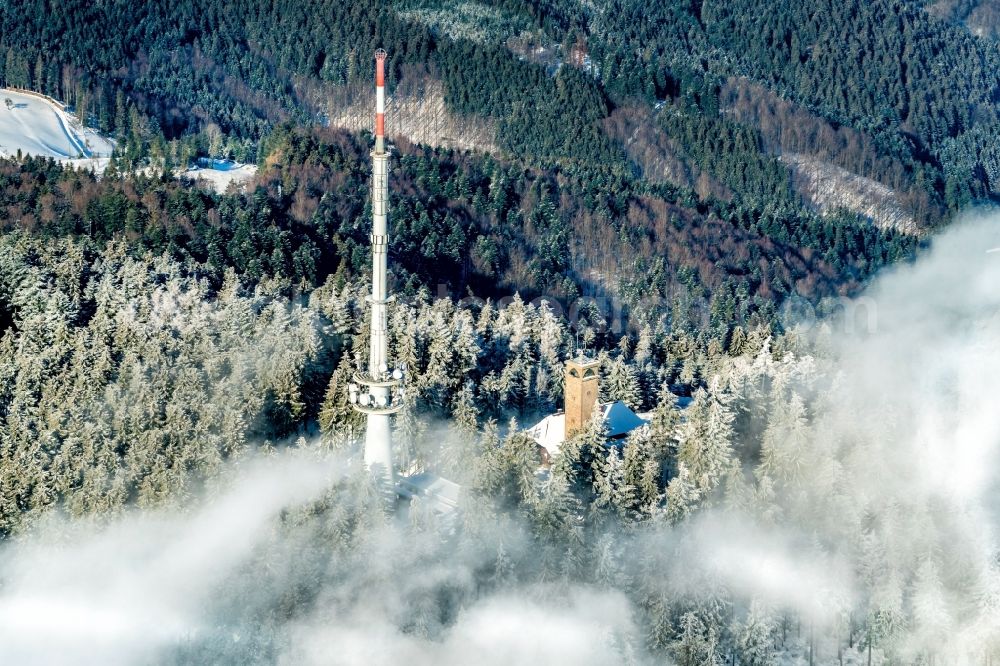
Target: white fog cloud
column 86, row 594
column 541, row 625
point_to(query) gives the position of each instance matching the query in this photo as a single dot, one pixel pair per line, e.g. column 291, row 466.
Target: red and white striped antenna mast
column 380, row 56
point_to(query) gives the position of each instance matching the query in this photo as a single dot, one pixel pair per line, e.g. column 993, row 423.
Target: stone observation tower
column 582, row 381
column 377, row 391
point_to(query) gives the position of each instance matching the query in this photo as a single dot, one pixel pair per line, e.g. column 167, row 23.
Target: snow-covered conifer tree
column 622, row 383
column 755, row 638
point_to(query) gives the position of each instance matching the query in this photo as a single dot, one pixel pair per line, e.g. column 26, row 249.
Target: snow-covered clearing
column 36, row 125
column 41, row 127
column 829, row 187
column 220, row 174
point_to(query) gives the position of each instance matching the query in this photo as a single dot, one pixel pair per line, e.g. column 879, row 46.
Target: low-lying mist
column 866, row 516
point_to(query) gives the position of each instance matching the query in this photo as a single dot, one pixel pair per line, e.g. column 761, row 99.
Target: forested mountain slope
column 795, row 508
column 673, row 185
column 743, row 126
column 921, row 88
column 712, row 173
column 663, row 155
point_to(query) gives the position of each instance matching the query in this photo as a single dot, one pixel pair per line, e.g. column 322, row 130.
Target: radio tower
column 376, row 392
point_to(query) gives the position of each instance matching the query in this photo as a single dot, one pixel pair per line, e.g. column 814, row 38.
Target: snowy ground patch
column 38, row 126
column 220, row 174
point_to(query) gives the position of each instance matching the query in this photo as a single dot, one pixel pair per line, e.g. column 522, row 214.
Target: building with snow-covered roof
column 619, row 421
column 581, row 391
column 439, row 493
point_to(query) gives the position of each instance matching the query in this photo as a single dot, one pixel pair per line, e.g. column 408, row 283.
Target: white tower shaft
column 380, row 246
column 381, row 388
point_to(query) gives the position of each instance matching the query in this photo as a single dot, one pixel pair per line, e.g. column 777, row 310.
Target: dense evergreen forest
column 923, row 89
column 643, row 198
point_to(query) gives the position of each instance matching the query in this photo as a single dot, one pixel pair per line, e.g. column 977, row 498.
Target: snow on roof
column 550, row 432
column 441, row 493
column 619, row 420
